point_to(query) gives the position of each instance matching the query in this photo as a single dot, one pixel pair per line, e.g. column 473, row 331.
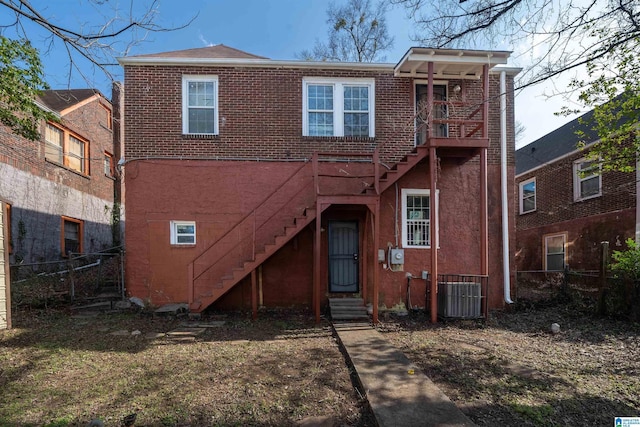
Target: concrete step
column 346, row 302
column 348, row 309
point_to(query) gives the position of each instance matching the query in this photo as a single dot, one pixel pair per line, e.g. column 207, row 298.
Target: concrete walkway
column 398, row 392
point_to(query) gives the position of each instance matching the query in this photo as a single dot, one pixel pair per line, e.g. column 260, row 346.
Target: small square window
column 183, row 232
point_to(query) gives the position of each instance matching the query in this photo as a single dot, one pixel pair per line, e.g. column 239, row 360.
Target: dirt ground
column 62, row 370
column 514, row 371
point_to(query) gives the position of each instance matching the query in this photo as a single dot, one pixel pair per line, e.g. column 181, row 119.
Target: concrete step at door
column 348, row 309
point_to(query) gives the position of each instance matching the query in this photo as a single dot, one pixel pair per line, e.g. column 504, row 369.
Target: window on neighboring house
column 200, row 105
column 7, row 215
column 65, row 148
column 555, row 252
column 183, row 232
column 416, row 218
column 109, row 169
column 587, row 179
column 72, row 235
column 528, row 196
column 108, row 118
column 53, row 143
column 333, row 107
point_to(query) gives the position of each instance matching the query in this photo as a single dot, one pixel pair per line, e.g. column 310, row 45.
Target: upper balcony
column 451, row 97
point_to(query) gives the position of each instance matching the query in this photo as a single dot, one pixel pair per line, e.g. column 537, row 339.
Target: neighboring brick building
column 60, row 190
column 293, row 179
column 563, row 215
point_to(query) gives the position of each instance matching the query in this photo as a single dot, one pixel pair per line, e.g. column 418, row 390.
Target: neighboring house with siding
column 566, row 205
column 60, row 190
column 257, row 182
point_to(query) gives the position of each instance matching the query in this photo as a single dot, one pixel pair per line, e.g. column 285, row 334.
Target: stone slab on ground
column 172, row 309
column 185, row 332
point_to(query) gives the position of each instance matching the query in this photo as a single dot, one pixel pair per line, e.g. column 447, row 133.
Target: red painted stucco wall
column 218, row 194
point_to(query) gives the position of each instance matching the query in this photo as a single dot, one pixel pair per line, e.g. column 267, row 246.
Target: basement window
column 183, row 232
column 72, row 236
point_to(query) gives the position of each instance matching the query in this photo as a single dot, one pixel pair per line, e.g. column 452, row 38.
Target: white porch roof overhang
column 448, row 63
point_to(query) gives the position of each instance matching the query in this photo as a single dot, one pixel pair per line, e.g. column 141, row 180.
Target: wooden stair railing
column 281, row 215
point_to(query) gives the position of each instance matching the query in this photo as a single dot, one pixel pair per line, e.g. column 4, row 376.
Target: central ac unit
column 459, row 300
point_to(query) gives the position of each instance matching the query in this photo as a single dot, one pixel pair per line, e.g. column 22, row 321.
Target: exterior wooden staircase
column 408, row 162
column 261, row 233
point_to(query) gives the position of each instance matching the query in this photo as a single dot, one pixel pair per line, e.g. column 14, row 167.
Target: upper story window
column 65, row 148
column 528, row 196
column 587, row 179
column 108, row 118
column 416, row 218
column 200, row 105
column 109, row 169
column 338, row 107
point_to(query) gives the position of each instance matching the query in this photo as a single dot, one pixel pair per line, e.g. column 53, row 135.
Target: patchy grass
column 282, row 369
column 513, row 371
column 59, row 371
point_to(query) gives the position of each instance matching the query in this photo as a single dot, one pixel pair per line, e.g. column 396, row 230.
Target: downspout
column 505, row 199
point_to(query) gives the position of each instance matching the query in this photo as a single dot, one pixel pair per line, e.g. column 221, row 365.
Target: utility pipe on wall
column 505, row 199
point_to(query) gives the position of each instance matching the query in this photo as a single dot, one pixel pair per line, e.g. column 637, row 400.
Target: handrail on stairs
column 235, row 236
column 263, row 202
column 371, row 157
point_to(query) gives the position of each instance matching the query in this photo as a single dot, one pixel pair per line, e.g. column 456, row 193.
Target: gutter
column 503, row 181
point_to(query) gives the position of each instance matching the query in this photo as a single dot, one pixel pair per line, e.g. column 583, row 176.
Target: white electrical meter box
column 397, row 256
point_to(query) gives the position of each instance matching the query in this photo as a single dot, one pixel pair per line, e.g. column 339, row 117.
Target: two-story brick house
column 59, row 191
column 566, row 205
column 253, row 181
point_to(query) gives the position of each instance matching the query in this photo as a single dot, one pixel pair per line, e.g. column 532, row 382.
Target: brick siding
column 260, row 114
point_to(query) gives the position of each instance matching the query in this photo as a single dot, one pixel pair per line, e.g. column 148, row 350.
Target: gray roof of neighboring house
column 556, row 144
column 58, row 100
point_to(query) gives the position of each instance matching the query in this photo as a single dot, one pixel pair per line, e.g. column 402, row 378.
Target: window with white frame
column 587, row 179
column 555, row 252
column 528, row 196
column 200, row 105
column 416, row 218
column 183, row 232
column 338, row 107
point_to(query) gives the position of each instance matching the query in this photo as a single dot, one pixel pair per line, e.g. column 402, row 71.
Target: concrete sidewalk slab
column 398, row 392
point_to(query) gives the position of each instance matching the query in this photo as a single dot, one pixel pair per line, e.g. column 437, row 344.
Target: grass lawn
column 61, row 371
column 281, row 370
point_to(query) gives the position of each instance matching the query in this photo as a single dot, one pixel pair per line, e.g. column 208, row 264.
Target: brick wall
column 89, row 122
column 555, row 198
column 260, row 114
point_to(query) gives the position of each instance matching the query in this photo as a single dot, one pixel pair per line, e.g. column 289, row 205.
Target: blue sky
column 277, row 29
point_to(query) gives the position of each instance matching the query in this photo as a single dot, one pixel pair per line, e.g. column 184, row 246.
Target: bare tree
column 560, row 35
column 599, row 37
column 119, row 29
column 357, row 33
